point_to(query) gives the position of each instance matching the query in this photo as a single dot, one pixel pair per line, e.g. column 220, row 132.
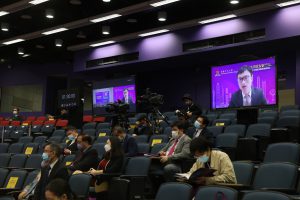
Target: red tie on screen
column 171, row 151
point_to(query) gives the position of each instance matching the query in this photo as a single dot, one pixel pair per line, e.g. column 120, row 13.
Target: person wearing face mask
column 16, row 115
column 86, row 157
column 176, row 150
column 209, row 158
column 72, row 135
column 200, row 124
column 59, row 189
column 129, row 144
column 52, row 168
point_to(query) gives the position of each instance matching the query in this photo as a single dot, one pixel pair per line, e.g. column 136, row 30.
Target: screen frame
column 259, row 106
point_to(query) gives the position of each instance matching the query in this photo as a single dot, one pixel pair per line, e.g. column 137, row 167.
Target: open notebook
column 201, row 172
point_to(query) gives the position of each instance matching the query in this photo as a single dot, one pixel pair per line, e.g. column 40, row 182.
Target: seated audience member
column 177, row 149
column 16, row 115
column 111, row 163
column 59, row 189
column 63, row 114
column 86, row 157
column 72, row 135
column 129, row 144
column 192, row 110
column 214, row 159
column 143, row 127
column 28, row 190
column 201, row 124
column 52, row 168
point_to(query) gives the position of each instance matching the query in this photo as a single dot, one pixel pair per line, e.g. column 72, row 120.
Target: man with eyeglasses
column 246, row 95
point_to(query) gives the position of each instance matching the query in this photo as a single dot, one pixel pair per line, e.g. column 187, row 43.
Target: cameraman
column 143, row 127
column 192, row 110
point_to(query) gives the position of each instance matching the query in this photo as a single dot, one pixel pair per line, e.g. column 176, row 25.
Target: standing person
column 52, row 168
column 246, row 95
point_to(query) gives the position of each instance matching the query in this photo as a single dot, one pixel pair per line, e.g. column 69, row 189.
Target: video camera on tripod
column 151, row 99
column 119, row 109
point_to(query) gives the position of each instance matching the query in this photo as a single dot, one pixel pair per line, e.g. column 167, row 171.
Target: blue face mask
column 45, row 157
column 71, row 137
column 197, row 125
column 203, row 159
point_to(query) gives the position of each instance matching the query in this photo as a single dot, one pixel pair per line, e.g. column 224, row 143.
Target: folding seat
column 230, row 116
column 47, row 129
column 4, row 159
column 7, row 198
column 143, row 148
column 289, row 107
column 50, row 122
column 228, row 143
column 141, row 138
column 10, row 128
column 244, row 172
column 61, row 133
column 103, row 132
column 167, row 131
column 33, row 162
column 104, row 125
column 15, row 180
column 25, row 139
column 16, row 148
column 190, row 131
column 3, row 147
column 238, row 129
column 55, row 139
column 102, row 139
column 99, row 119
column 69, row 159
column 90, row 125
column 17, row 161
column 62, row 123
column 23, row 128
column 4, row 123
column 273, row 114
column 157, row 139
column 15, row 135
column 90, row 132
column 31, row 148
column 290, row 113
column 31, row 118
column 216, row 192
column 174, row 191
column 87, row 118
column 287, row 129
column 38, row 122
column 155, row 149
column 36, row 128
column 173, row 119
column 221, row 122
column 282, row 152
column 211, row 117
column 216, row 130
column 15, row 123
column 100, row 149
column 40, row 139
column 3, row 175
column 266, row 120
column 266, row 195
column 41, row 118
column 81, row 190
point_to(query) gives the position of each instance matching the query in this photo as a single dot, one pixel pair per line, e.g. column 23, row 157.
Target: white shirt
column 244, row 98
column 51, row 166
column 198, row 133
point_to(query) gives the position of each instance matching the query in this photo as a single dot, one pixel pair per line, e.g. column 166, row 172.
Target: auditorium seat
column 211, row 117
column 267, row 120
column 216, row 130
column 31, row 148
column 260, row 130
column 41, row 118
column 17, row 176
column 60, row 132
column 230, row 116
column 221, row 122
column 7, row 198
column 104, row 125
column 155, row 149
column 138, row 115
column 87, row 118
column 167, row 131
column 100, row 149
column 37, row 123
column 102, row 139
column 99, row 119
column 283, row 152
column 228, row 144
column 271, row 113
column 33, row 162
column 90, row 125
column 40, row 139
column 25, row 139
column 141, row 138
column 266, row 195
column 238, row 129
column 103, row 132
column 15, row 123
column 47, row 129
column 10, row 128
column 287, row 129
column 172, row 119
column 61, row 123
column 30, row 118
column 244, row 172
column 90, row 132
column 4, row 123
column 36, row 128
column 16, row 148
column 4, row 159
column 174, row 191
column 50, row 122
column 3, row 175
column 169, row 114
column 15, row 135
column 287, row 113
column 17, row 161
column 216, row 193
column 81, row 190
column 30, row 177
column 23, row 128
column 157, row 139
column 143, row 148
column 3, row 147
column 289, row 107
column 132, row 120
column 55, row 139
column 68, row 160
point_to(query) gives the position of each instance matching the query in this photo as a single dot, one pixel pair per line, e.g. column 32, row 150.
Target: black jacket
column 130, row 146
column 58, row 171
column 86, row 160
column 72, row 147
column 257, row 98
column 206, row 134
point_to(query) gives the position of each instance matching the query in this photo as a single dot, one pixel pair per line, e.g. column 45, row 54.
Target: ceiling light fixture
column 217, row 19
column 13, row 41
column 26, row 55
column 106, row 1
column 55, row 31
column 36, row 2
column 50, row 13
column 101, row 19
column 5, row 27
column 102, row 43
column 234, row 2
column 2, row 13
column 105, row 30
column 58, row 42
column 162, row 16
column 154, row 32
column 20, row 51
column 288, row 3
column 161, row 3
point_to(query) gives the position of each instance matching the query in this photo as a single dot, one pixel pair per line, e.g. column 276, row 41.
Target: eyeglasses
column 244, row 78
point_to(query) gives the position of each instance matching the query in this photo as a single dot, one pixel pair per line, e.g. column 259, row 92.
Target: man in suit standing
column 246, row 95
column 52, row 168
column 86, row 157
column 201, row 124
column 177, row 150
column 72, row 135
column 129, row 144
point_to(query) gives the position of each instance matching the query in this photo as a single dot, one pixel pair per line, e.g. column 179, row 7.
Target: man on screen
column 126, row 98
column 246, row 95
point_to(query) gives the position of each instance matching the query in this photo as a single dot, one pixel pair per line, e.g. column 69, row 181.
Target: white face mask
column 174, row 134
column 107, row 147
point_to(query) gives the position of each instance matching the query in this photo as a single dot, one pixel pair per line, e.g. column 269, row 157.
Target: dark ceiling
column 42, row 49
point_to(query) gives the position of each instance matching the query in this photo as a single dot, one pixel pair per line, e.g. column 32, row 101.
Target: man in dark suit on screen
column 126, row 98
column 247, row 95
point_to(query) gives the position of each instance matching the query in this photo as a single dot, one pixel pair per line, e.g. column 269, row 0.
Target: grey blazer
column 182, row 150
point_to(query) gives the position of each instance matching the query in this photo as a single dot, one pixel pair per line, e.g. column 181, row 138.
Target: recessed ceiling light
column 234, row 2
column 55, row 31
column 217, row 19
column 36, row 2
column 162, row 16
column 102, row 43
column 13, row 41
column 105, row 30
column 101, row 19
column 26, row 55
column 2, row 13
column 164, row 2
column 58, row 42
column 20, row 51
column 288, row 3
column 153, row 32
column 106, row 1
column 5, row 27
column 50, row 13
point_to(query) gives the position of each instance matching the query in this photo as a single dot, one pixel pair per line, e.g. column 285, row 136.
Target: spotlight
column 234, row 2
column 50, row 13
column 106, row 1
column 58, row 42
column 162, row 16
column 20, row 51
column 105, row 30
column 4, row 26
